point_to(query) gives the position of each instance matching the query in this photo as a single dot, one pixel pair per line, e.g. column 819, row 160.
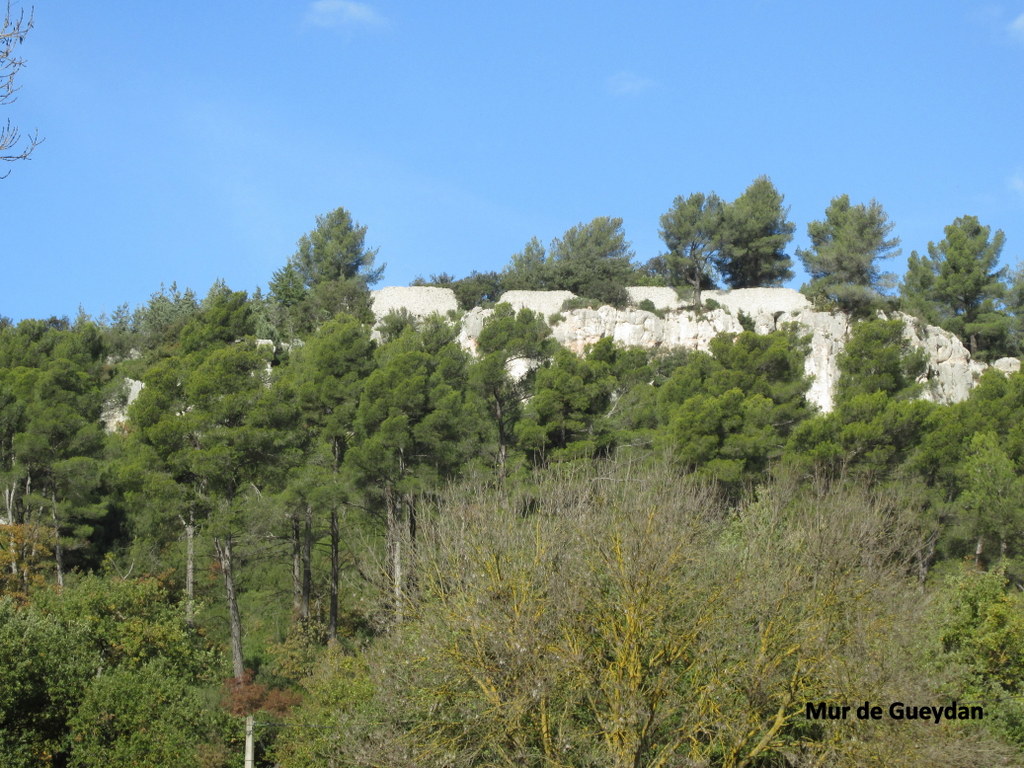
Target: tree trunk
column 394, row 552
column 190, row 567
column 224, row 554
column 502, row 438
column 9, row 496
column 925, row 558
column 296, row 569
column 410, row 524
column 58, row 549
column 248, row 759
column 307, row 563
column 332, row 623
column 977, row 551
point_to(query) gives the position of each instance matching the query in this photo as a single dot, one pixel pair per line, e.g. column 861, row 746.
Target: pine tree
column 691, row 230
column 754, row 235
column 845, row 249
column 959, row 285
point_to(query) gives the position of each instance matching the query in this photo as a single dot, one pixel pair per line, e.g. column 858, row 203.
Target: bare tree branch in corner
column 13, row 34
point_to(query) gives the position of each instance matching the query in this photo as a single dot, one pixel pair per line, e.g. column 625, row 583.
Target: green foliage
column 509, row 339
column 47, row 666
column 874, row 427
column 327, row 374
column 52, row 444
column 128, row 623
column 143, row 716
column 339, row 702
column 564, row 609
column 225, row 316
column 845, row 248
column 878, row 358
column 529, row 270
column 580, row 302
column 625, row 622
column 335, row 250
column 330, row 272
column 163, row 317
column 394, row 323
column 593, row 260
column 417, row 420
column 990, row 501
column 728, row 414
column 959, row 286
column 691, row 230
column 980, row 647
column 754, row 236
column 565, row 417
column 479, row 289
column 868, row 435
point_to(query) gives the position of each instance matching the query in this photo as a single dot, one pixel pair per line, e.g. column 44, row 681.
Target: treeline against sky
column 398, row 554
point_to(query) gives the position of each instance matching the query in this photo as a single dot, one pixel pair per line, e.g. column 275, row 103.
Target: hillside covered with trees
column 387, row 551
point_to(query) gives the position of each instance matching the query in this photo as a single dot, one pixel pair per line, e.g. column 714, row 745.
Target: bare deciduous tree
column 12, row 34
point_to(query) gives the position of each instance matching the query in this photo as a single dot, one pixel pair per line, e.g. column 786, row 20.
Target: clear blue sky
column 187, row 141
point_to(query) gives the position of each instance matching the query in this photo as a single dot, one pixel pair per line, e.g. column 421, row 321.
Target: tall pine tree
column 845, row 249
column 755, row 232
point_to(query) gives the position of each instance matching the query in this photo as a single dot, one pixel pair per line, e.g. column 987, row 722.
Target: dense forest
column 379, row 549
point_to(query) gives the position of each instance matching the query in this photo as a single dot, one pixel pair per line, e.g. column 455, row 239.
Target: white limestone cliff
column 950, row 374
column 949, row 378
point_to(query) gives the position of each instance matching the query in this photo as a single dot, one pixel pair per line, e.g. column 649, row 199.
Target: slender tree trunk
column 332, row 623
column 307, row 563
column 58, row 549
column 190, row 567
column 925, row 558
column 410, row 558
column 9, row 496
column 394, row 552
column 296, row 569
column 978, row 550
column 224, row 554
column 248, row 759
column 502, row 438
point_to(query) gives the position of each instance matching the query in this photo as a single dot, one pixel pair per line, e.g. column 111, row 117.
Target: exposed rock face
column 637, row 328
column 1007, row 365
column 661, row 298
column 472, row 324
column 421, row 301
column 545, row 303
column 115, row 414
column 950, row 376
column 759, row 301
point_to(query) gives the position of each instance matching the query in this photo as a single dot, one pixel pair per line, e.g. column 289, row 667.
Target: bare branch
column 12, row 34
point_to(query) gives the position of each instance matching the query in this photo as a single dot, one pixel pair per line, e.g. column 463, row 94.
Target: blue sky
column 191, row 141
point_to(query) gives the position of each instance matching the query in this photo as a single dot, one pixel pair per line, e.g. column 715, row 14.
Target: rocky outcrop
column 545, row 303
column 420, row 301
column 950, row 375
column 115, row 412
